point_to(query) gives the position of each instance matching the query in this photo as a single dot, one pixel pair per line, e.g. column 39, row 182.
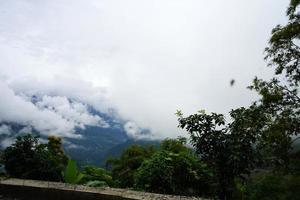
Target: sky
column 145, row 59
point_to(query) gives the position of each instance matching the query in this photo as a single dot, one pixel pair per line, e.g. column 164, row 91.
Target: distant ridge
column 96, row 144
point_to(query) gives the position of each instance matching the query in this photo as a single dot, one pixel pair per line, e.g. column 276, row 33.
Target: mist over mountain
column 92, row 137
column 145, row 59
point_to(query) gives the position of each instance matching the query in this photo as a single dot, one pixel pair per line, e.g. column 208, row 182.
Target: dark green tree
column 283, row 52
column 227, row 148
column 174, row 169
column 29, row 159
column 268, row 128
column 53, row 157
column 125, row 167
column 279, row 97
column 1, row 156
column 1, row 163
column 270, row 186
column 281, row 111
column 174, row 145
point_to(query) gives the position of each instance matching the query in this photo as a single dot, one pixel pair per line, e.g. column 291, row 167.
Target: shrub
column 71, row 173
column 95, row 175
column 174, row 173
column 272, row 186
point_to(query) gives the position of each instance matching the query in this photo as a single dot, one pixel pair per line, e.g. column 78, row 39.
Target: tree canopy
column 125, row 167
column 27, row 158
column 175, row 169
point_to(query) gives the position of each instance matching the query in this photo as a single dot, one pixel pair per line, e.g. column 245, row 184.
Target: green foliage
column 97, row 184
column 280, row 106
column 227, row 148
column 173, row 168
column 280, row 101
column 174, row 146
column 97, row 176
column 125, row 167
column 292, row 7
column 283, row 52
column 1, row 156
column 240, row 190
column 71, row 173
column 26, row 158
column 174, row 173
column 57, row 160
column 2, row 170
column 268, row 188
column 272, row 186
column 155, row 175
column 295, row 163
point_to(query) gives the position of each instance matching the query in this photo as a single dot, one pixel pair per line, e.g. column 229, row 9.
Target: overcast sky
column 144, row 58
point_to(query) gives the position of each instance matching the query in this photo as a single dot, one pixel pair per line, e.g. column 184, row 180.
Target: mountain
column 97, row 142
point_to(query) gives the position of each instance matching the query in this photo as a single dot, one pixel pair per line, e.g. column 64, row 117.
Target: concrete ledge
column 44, row 190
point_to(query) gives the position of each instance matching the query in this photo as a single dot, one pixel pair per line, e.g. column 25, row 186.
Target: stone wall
column 43, row 190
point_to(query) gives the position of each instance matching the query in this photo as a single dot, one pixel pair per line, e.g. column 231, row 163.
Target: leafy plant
column 125, row 167
column 97, row 184
column 174, row 169
column 71, row 174
column 274, row 186
column 97, row 174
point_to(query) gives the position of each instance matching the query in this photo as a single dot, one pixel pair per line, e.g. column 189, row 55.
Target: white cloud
column 6, row 142
column 71, row 111
column 25, row 130
column 144, row 58
column 75, row 146
column 51, row 115
column 136, row 132
column 5, row 130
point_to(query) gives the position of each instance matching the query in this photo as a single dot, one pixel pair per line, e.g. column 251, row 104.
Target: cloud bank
column 49, row 115
column 143, row 58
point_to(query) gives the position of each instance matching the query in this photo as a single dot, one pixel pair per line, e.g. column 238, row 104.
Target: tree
column 174, row 169
column 267, row 128
column 54, row 157
column 1, row 156
column 283, row 52
column 1, row 163
column 227, row 148
column 125, row 167
column 29, row 159
column 280, row 100
column 281, row 111
column 174, row 145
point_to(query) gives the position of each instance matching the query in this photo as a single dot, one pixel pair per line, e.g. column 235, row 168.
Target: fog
column 145, row 59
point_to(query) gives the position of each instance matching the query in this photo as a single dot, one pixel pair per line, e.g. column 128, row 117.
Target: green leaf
column 71, row 174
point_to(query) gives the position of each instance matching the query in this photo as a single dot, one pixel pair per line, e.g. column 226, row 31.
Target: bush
column 272, row 186
column 71, row 173
column 96, row 177
column 125, row 167
column 174, row 173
